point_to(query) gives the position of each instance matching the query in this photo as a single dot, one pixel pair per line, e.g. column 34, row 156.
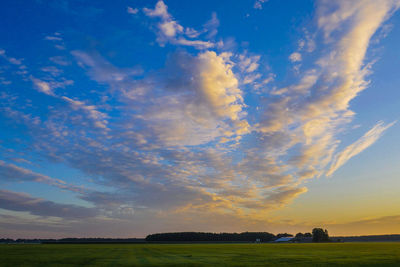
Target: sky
column 130, row 117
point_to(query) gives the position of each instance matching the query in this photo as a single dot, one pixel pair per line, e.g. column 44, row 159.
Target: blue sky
column 125, row 118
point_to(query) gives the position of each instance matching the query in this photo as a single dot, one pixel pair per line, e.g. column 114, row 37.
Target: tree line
column 211, row 237
column 318, row 235
column 71, row 240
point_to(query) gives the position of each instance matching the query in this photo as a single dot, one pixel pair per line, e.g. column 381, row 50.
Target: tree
column 283, row 235
column 299, row 235
column 307, row 235
column 320, row 235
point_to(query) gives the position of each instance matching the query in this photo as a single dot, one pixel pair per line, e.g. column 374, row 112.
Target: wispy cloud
column 169, row 30
column 11, row 60
column 131, row 10
column 99, row 118
column 13, row 173
column 258, row 4
column 368, row 139
column 36, row 206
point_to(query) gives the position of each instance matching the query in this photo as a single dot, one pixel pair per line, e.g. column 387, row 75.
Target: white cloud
column 206, row 104
column 99, row 118
column 258, row 4
column 160, row 10
column 295, row 57
column 102, row 70
column 251, row 78
column 314, row 111
column 368, row 139
column 195, row 43
column 43, row 86
column 170, row 31
column 170, row 28
column 307, row 43
column 249, row 63
column 47, row 87
column 211, row 26
column 131, row 10
column 11, row 60
column 54, row 71
column 53, row 38
column 192, row 33
column 59, row 60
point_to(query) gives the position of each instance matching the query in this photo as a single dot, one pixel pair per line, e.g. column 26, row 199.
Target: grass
column 333, row 254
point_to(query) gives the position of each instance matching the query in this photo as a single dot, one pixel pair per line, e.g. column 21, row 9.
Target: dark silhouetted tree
column 307, row 235
column 299, row 235
column 283, row 235
column 320, row 235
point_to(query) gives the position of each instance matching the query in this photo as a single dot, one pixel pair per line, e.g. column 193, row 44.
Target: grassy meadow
column 329, row 254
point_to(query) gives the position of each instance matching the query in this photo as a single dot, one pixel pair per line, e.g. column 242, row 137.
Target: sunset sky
column 129, row 117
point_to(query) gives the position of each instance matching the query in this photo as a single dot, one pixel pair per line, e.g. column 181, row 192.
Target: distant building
column 284, row 239
column 258, row 240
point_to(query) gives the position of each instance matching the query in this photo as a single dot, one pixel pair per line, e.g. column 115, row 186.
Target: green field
column 352, row 254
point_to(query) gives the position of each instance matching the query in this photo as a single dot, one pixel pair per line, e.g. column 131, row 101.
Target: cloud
column 99, row 118
column 216, row 102
column 131, row 10
column 48, row 87
column 103, row 71
column 249, row 63
column 284, row 195
column 57, row 39
column 217, row 85
column 13, row 173
column 59, row 60
column 170, row 31
column 53, row 38
column 11, row 60
column 368, row 139
column 43, row 87
column 23, row 202
column 211, row 26
column 258, row 4
column 195, row 43
column 160, row 10
column 307, row 43
column 207, row 100
column 198, row 96
column 295, row 57
column 54, row 71
column 317, row 110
